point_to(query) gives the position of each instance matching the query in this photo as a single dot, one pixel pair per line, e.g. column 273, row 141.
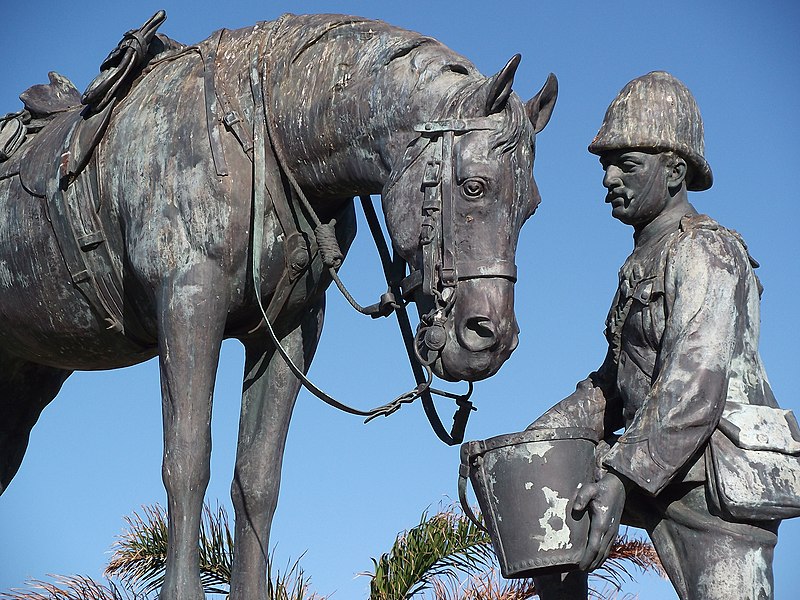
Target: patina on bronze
column 707, row 463
column 524, row 483
column 199, row 180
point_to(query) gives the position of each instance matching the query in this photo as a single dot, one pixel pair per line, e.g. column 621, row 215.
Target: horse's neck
column 347, row 95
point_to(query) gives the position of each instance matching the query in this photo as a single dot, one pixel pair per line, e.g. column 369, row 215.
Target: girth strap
column 74, row 212
column 213, row 120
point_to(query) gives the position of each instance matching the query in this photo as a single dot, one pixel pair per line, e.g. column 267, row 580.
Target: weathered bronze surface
column 195, row 181
column 707, row 463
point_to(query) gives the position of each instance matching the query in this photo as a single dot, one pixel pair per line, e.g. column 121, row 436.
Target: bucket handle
column 463, row 474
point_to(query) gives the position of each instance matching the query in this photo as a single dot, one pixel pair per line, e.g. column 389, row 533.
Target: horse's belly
column 43, row 316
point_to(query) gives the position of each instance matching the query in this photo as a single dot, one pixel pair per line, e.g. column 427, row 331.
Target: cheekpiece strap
column 457, row 126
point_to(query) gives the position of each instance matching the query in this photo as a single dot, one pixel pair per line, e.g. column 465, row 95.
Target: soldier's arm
column 704, row 287
column 594, row 404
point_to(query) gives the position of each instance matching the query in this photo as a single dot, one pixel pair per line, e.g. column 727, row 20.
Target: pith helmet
column 657, row 111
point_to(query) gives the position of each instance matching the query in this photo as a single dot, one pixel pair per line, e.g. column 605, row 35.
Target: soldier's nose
column 611, row 178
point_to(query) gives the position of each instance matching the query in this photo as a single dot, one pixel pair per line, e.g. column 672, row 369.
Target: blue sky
column 349, row 488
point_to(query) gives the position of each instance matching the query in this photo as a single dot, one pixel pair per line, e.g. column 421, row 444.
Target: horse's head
column 454, row 209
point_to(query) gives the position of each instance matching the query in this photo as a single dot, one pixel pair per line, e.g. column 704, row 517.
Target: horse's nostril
column 478, row 334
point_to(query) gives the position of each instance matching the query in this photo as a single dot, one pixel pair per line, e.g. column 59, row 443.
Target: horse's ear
column 540, row 107
column 499, row 86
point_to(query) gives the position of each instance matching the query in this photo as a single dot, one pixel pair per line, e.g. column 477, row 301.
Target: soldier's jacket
column 683, row 337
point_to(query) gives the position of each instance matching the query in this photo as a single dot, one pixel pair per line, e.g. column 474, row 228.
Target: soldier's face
column 637, row 185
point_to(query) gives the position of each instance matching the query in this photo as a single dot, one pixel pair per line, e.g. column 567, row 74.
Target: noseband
column 442, row 268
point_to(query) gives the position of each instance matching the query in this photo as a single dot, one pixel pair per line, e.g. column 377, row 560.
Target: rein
column 438, row 278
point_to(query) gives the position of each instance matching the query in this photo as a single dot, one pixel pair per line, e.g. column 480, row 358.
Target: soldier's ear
column 677, row 171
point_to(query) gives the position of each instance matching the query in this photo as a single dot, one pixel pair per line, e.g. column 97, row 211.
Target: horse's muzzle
column 479, row 334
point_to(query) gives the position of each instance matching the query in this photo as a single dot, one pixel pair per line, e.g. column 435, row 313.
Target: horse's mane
column 427, row 62
column 383, row 44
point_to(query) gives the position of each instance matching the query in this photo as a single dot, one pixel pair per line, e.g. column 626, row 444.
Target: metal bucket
column 525, row 484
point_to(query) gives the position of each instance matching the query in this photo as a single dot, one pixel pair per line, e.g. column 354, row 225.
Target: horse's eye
column 473, row 188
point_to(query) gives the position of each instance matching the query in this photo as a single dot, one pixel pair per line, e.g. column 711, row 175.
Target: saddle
column 45, row 109
column 59, row 125
column 49, row 145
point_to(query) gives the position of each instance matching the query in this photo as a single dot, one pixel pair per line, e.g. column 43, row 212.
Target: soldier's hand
column 604, row 501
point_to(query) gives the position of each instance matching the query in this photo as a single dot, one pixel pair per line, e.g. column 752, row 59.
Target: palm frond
column 441, row 546
column 140, row 556
column 291, row 584
column 216, row 551
column 76, row 587
column 625, row 552
column 611, row 592
column 432, row 555
column 485, row 586
column 140, row 553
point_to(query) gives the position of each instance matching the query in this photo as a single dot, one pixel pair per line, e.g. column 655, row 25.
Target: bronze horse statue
column 154, row 218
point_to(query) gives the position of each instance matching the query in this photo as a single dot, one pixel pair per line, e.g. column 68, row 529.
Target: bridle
column 440, row 270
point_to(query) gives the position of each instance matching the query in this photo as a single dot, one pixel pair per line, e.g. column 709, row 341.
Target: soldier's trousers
column 705, row 556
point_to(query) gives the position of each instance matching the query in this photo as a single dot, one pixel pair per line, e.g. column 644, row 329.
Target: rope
column 332, row 256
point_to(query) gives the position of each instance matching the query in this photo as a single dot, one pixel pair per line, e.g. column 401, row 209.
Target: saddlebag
column 753, row 463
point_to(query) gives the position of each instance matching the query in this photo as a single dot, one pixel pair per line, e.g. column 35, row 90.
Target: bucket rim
column 538, row 434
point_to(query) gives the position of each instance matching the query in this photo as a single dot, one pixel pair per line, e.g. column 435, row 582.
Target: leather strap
column 447, row 270
column 73, row 209
column 213, row 120
column 467, row 450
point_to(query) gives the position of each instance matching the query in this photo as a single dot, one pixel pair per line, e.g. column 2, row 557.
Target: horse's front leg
column 192, row 309
column 269, row 393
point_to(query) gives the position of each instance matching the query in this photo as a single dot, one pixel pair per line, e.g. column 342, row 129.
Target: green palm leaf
column 432, row 555
column 292, row 584
column 441, row 546
column 140, row 556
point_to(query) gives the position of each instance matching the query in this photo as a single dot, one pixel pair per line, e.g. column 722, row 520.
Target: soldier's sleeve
column 704, row 292
column 594, row 404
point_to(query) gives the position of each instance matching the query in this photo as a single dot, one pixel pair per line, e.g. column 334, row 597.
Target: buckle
column 230, row 119
column 433, row 173
column 448, row 277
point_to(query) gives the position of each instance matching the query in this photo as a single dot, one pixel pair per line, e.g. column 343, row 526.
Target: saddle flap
column 12, row 134
column 40, row 158
column 66, row 143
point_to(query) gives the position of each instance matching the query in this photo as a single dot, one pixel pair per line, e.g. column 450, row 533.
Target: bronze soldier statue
column 683, row 355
